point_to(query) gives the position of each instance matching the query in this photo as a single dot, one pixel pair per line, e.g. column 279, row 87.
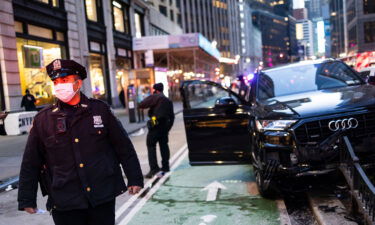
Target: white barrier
column 18, row 123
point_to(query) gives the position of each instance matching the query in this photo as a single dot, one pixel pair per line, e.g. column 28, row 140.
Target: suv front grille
column 316, row 131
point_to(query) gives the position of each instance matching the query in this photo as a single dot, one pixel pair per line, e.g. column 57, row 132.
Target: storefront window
column 40, row 31
column 18, row 27
column 138, row 25
column 123, row 66
column 369, row 29
column 353, row 37
column 55, row 3
column 118, row 16
column 91, row 11
column 368, row 6
column 97, row 76
column 33, row 56
column 60, row 36
column 126, row 18
column 44, row 1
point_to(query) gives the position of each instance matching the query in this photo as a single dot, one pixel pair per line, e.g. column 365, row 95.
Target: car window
column 201, row 95
column 303, row 78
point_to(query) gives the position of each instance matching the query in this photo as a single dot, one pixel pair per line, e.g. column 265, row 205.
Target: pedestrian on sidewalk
column 28, row 101
column 122, row 98
column 74, row 150
column 161, row 121
column 140, row 98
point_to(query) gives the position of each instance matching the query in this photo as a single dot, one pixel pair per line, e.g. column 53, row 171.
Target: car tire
column 266, row 188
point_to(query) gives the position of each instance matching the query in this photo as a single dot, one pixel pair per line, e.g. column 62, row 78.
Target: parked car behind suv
column 287, row 124
column 368, row 74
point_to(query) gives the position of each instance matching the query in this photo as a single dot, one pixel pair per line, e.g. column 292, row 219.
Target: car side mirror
column 371, row 80
column 225, row 102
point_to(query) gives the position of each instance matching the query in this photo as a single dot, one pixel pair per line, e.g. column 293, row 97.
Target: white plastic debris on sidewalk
column 138, row 133
column 41, row 211
column 9, row 188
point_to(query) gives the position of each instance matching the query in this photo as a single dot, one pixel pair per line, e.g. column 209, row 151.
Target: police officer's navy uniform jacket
column 82, row 155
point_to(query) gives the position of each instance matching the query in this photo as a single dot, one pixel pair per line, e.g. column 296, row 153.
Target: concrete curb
column 284, row 216
column 327, row 218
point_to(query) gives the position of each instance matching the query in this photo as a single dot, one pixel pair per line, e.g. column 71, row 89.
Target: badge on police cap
column 57, row 64
column 98, row 121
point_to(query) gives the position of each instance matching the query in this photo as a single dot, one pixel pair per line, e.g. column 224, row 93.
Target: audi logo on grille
column 345, row 124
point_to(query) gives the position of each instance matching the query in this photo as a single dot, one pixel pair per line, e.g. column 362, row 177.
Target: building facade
column 318, row 14
column 216, row 20
column 275, row 37
column 338, row 28
column 96, row 33
column 165, row 17
column 251, row 40
column 305, row 38
column 168, row 8
column 277, row 25
column 314, row 8
column 360, row 25
column 300, row 14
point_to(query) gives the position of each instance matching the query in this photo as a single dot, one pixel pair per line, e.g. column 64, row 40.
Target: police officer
column 75, row 149
column 161, row 121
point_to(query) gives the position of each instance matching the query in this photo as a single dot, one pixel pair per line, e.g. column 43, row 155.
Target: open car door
column 216, row 123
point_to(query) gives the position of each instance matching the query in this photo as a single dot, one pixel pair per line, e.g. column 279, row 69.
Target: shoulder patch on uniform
column 43, row 111
column 46, row 108
column 100, row 103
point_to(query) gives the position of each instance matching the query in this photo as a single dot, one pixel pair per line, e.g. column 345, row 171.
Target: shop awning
column 166, row 42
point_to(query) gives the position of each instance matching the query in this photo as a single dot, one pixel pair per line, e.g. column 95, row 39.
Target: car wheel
column 265, row 186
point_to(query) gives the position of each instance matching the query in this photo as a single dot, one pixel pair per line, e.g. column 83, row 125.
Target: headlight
column 263, row 125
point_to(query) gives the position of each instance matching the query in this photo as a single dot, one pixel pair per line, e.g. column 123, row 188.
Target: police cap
column 65, row 67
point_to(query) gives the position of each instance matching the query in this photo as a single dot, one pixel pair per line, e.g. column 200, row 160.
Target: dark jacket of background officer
column 75, row 149
column 28, row 101
column 161, row 121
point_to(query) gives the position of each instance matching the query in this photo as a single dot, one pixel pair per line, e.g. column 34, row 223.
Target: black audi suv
column 286, row 123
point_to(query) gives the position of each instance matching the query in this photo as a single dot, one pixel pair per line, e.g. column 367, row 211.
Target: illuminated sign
column 33, row 56
column 321, row 36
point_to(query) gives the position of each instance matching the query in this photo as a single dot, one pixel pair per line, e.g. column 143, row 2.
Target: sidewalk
column 12, row 147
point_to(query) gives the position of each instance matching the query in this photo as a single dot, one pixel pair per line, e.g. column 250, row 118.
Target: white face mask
column 65, row 91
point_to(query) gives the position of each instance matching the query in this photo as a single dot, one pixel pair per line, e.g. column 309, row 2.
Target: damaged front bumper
column 299, row 160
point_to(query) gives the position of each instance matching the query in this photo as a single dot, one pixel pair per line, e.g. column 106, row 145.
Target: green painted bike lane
column 182, row 200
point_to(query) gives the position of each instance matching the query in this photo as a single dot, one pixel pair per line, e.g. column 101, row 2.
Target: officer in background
column 75, row 149
column 161, row 121
column 28, row 101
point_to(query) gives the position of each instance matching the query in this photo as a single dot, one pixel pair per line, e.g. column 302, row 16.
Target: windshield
column 297, row 79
